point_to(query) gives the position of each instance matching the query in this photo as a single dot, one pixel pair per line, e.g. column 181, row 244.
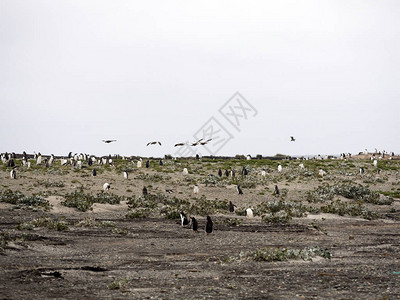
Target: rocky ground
column 334, row 236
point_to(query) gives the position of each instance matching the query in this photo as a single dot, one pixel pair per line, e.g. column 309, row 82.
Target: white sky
column 75, row 72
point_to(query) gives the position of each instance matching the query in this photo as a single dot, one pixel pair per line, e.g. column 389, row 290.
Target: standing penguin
column 161, row 162
column 231, row 207
column 240, row 192
column 144, row 191
column 209, row 225
column 361, row 171
column 277, row 190
column 244, row 171
column 147, row 163
column 195, row 225
column 106, row 187
column 184, row 219
column 219, row 173
column 126, row 174
column 94, row 172
column 196, row 189
column 13, row 174
column 11, row 163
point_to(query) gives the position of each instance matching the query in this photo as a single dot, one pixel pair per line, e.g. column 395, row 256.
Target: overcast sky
column 73, row 73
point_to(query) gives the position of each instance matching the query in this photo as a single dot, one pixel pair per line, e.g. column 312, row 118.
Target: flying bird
column 153, row 143
column 205, row 142
column 197, row 142
column 292, row 139
column 179, row 144
column 109, row 141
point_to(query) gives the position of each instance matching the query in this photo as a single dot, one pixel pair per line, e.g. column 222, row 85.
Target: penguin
column 279, row 168
column 196, row 189
column 184, row 219
column 240, row 192
column 13, row 174
column 144, row 191
column 277, row 190
column 231, row 207
column 361, row 170
column 195, row 225
column 161, row 162
column 126, row 175
column 11, row 163
column 226, row 173
column 249, row 213
column 147, row 163
column 106, row 187
column 244, row 171
column 219, row 173
column 94, row 172
column 139, row 163
column 209, row 225
column 185, row 171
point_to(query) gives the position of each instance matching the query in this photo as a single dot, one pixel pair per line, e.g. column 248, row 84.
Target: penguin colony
column 78, row 160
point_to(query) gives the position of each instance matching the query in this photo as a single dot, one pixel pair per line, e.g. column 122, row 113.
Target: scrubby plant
column 118, row 284
column 353, row 209
column 50, row 183
column 233, row 221
column 83, row 202
column 60, row 224
column 79, row 200
column 20, row 200
column 348, row 190
column 139, row 212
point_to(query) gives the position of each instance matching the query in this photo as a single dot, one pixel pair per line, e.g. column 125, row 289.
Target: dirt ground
column 157, row 258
